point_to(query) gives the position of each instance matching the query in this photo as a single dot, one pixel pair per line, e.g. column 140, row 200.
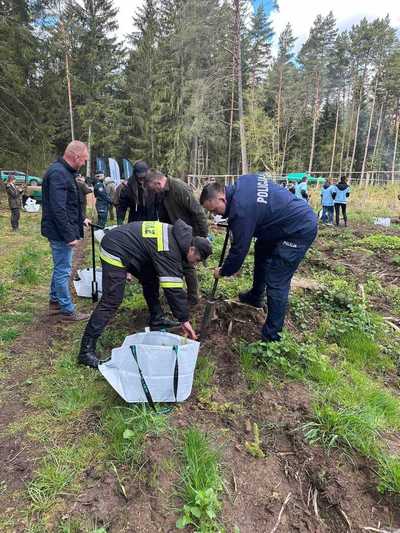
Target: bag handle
column 143, row 381
column 176, row 373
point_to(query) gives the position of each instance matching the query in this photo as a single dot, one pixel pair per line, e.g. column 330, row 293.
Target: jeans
column 274, row 266
column 62, row 267
column 327, row 214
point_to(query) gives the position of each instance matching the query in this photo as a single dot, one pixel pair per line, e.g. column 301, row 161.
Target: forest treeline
column 197, row 87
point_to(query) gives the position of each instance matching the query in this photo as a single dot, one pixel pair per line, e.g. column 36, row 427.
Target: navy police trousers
column 274, row 266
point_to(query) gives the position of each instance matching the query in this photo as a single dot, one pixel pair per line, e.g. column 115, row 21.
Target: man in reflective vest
column 284, row 227
column 154, row 253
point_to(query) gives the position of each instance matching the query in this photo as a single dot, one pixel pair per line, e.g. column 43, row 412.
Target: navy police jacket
column 62, row 216
column 103, row 200
column 257, row 207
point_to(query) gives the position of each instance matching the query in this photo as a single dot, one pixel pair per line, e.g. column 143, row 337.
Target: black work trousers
column 114, row 280
column 15, row 214
column 337, row 213
column 102, row 213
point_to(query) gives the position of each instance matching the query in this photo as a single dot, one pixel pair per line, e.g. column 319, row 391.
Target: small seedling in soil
column 254, row 448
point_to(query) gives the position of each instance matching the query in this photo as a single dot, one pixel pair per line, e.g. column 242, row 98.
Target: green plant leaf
column 128, row 434
column 196, row 511
column 182, row 522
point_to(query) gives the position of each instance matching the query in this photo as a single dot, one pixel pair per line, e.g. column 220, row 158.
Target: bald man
column 62, row 225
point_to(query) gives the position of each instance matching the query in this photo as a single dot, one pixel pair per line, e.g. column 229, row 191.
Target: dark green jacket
column 14, row 196
column 178, row 202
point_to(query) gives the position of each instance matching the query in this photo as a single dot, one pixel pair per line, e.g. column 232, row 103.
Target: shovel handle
column 95, row 292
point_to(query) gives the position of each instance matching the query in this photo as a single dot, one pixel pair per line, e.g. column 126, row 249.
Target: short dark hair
column 153, row 174
column 203, row 247
column 343, row 179
column 210, row 191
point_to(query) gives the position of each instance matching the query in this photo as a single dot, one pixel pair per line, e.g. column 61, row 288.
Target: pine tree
column 315, row 57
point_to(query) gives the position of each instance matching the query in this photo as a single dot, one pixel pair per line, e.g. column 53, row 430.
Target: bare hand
column 73, row 243
column 188, row 331
column 217, row 273
column 129, row 277
column 87, row 222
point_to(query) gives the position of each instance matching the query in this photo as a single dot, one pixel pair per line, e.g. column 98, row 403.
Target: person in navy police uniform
column 284, row 227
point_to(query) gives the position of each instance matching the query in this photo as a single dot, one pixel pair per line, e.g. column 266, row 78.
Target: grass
column 59, row 469
column 201, row 483
column 28, row 266
column 128, row 428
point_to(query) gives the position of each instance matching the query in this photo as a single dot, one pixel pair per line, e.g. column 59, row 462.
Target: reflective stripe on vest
column 110, row 258
column 169, row 282
column 156, row 230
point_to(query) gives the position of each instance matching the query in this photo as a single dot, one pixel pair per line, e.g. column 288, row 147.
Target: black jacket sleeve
column 58, row 190
column 170, row 273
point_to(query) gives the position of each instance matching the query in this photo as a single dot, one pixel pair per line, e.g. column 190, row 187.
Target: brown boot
column 74, row 317
column 54, row 308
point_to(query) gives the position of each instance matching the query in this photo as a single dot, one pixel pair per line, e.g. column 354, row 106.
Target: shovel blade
column 208, row 313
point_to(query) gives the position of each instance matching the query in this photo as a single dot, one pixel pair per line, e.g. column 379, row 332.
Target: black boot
column 87, row 355
column 159, row 321
column 249, row 299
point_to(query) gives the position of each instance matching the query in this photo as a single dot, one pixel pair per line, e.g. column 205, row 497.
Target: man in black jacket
column 177, row 201
column 153, row 252
column 62, row 224
column 142, row 203
column 14, row 201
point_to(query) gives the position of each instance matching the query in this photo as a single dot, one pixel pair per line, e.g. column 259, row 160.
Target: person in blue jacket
column 284, row 226
column 327, row 203
column 301, row 189
column 340, row 193
column 103, row 200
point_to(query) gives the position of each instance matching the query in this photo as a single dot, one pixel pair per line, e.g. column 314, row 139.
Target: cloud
column 302, row 14
column 127, row 8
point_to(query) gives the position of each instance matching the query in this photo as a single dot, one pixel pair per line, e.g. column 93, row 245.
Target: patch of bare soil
column 139, row 501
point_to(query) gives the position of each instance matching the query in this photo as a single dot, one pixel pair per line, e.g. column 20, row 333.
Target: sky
column 300, row 13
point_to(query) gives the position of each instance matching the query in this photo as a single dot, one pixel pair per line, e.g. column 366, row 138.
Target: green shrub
column 381, row 242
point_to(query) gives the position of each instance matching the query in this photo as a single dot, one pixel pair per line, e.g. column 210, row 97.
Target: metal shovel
column 208, row 311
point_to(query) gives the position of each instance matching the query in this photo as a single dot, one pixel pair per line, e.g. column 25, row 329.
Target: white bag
column 83, row 285
column 31, row 206
column 99, row 233
column 382, row 221
column 162, row 363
